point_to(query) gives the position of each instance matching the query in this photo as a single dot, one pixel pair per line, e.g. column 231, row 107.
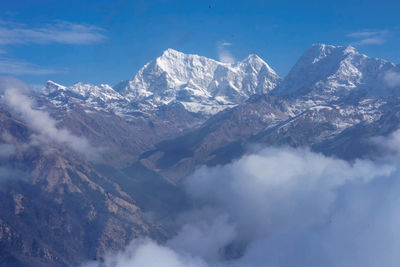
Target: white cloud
column 369, row 37
column 392, row 78
column 285, row 181
column 223, row 53
column 40, row 121
column 61, row 32
column 146, row 253
column 204, row 236
column 287, row 207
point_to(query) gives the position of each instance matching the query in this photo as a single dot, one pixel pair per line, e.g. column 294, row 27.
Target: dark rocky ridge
column 59, row 209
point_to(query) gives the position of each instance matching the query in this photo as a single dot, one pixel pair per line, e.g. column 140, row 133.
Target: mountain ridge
column 200, row 84
column 327, row 71
column 151, row 141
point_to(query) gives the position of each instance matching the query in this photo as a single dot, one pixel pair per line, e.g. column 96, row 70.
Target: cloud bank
column 285, row 207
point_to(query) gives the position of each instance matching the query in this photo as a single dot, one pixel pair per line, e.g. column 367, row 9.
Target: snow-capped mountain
column 334, row 101
column 200, row 84
column 329, row 72
column 327, row 100
column 91, row 94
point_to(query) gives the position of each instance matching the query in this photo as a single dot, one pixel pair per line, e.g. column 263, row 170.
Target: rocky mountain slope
column 56, row 208
column 60, row 208
column 330, row 92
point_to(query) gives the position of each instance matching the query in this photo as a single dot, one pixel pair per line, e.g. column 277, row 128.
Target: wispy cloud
column 140, row 251
column 12, row 33
column 45, row 127
column 61, row 32
column 369, row 37
column 224, row 55
column 18, row 67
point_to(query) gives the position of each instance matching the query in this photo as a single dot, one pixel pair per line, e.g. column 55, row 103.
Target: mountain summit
column 327, row 71
column 200, row 84
column 206, row 86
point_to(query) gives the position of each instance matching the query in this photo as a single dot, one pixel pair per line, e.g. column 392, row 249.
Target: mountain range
column 200, row 84
column 62, row 206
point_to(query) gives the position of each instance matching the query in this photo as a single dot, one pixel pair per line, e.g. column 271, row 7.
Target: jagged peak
column 171, row 55
column 328, row 49
column 350, row 50
column 88, row 85
column 327, row 70
column 80, row 84
column 51, row 87
column 172, row 52
column 173, row 59
column 50, row 82
column 255, row 60
column 318, row 52
column 322, row 47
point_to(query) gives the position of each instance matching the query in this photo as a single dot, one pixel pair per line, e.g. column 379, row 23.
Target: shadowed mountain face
column 61, row 207
column 58, row 209
column 343, row 130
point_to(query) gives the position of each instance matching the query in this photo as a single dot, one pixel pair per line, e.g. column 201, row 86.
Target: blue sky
column 107, row 41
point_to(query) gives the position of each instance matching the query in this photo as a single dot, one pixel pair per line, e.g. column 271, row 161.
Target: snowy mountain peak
column 201, row 84
column 171, row 53
column 51, row 87
column 350, row 50
column 253, row 58
column 319, row 52
column 257, row 64
column 329, row 72
column 96, row 96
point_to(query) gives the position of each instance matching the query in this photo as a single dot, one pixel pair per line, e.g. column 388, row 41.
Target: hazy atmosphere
column 199, row 133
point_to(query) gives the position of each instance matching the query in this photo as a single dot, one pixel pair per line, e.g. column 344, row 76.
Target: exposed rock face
column 59, row 208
